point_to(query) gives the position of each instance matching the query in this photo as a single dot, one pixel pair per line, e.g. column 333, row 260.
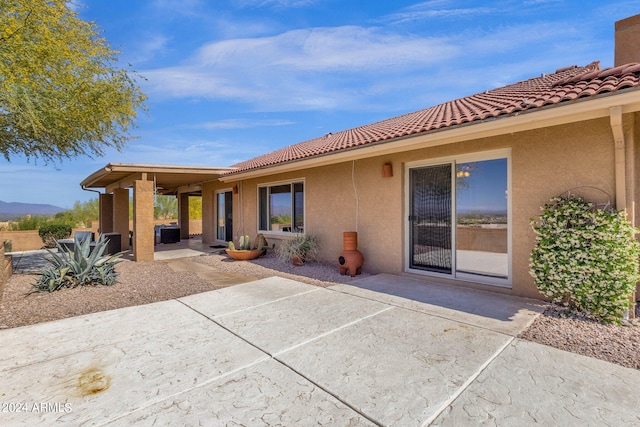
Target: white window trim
column 215, row 212
column 463, row 158
column 281, row 234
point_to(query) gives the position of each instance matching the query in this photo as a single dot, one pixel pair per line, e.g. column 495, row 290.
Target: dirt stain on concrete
column 93, row 381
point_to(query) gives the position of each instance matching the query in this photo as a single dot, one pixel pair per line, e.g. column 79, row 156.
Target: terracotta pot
column 350, row 262
column 244, row 255
column 350, row 240
column 350, row 258
column 296, row 260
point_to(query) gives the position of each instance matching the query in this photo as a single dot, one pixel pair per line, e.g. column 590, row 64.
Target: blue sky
column 230, row 80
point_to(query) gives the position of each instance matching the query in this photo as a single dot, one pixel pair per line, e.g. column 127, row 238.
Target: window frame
column 268, row 185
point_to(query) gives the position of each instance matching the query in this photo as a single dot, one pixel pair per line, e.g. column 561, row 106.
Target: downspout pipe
column 615, row 115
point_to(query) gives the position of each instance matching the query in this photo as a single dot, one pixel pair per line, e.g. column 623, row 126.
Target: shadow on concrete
column 446, row 300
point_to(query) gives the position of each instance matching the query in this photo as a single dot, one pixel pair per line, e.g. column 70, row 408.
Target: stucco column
column 121, row 216
column 208, row 218
column 105, row 218
column 143, row 232
column 183, row 215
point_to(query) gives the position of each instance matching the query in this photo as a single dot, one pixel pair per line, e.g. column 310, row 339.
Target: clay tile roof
column 566, row 84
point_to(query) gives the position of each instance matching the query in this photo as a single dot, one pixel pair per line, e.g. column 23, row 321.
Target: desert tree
column 62, row 93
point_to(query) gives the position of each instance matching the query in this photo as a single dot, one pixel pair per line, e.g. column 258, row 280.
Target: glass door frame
column 216, row 212
column 454, row 160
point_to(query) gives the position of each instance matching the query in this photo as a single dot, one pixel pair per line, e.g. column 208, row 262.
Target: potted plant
column 299, row 249
column 245, row 250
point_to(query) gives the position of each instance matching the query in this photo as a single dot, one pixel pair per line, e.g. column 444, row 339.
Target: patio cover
column 169, row 179
column 146, row 181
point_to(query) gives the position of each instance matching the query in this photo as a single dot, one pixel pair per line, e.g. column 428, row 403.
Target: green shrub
column 585, row 258
column 52, row 231
column 79, row 267
column 28, row 222
column 302, row 246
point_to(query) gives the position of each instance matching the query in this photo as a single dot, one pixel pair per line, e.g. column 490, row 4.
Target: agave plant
column 78, row 267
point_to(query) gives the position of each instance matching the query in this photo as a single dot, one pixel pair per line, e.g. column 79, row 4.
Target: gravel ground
column 146, row 282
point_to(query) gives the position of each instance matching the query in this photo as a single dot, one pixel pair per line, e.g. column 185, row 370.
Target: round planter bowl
column 244, row 255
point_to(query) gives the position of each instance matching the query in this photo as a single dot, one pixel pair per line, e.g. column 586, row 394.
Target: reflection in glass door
column 459, row 219
column 224, row 216
column 481, row 218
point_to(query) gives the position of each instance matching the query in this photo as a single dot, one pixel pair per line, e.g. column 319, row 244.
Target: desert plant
column 304, row 247
column 244, row 244
column 50, row 232
column 79, row 266
column 8, row 245
column 585, row 258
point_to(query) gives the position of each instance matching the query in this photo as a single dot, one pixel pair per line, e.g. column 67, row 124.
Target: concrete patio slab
column 280, row 352
column 176, row 253
column 267, row 393
column 286, row 323
column 116, row 377
column 399, row 367
column 50, row 340
column 246, row 296
column 532, row 384
column 490, row 310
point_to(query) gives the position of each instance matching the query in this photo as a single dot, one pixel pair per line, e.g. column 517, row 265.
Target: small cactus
column 232, row 246
column 262, row 242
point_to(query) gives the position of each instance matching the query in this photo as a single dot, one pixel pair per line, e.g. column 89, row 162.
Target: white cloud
column 433, row 9
column 238, row 124
column 148, row 48
column 299, row 69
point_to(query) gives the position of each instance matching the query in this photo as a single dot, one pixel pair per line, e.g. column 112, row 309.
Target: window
column 281, row 207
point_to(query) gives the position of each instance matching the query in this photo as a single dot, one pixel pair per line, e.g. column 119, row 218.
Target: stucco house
column 444, row 193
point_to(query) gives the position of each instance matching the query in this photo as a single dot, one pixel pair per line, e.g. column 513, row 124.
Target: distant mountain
column 11, row 210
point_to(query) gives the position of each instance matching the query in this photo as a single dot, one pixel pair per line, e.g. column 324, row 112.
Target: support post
column 143, row 231
column 183, row 215
column 105, row 216
column 121, row 216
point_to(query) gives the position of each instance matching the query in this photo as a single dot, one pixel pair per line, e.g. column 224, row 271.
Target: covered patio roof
column 169, row 179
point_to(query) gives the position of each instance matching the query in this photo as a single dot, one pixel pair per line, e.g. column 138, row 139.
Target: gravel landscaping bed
column 146, row 282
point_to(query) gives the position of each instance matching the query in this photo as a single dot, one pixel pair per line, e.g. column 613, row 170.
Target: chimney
column 627, row 38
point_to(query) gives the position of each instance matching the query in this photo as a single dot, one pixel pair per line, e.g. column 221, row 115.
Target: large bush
column 52, row 231
column 585, row 258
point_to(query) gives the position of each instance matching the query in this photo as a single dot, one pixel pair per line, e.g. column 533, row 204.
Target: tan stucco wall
column 544, row 163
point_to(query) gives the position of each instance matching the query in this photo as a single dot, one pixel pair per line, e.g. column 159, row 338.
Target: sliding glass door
column 459, row 218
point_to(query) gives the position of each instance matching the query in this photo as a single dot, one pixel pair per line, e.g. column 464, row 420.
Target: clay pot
column 296, row 260
column 350, row 259
column 350, row 240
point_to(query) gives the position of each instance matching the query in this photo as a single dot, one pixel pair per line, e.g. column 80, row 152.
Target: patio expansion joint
column 248, row 308
column 152, row 402
column 274, row 356
column 469, row 381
